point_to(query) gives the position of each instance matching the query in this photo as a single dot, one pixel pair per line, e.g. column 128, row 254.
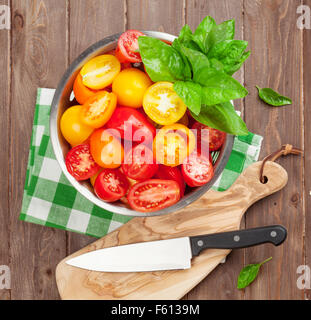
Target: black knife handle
column 238, row 239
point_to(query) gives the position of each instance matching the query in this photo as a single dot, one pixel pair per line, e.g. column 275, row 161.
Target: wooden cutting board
column 212, row 213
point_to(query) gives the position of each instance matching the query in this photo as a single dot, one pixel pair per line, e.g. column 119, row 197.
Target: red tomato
column 127, row 50
column 80, row 163
column 139, row 163
column 171, row 173
column 154, row 194
column 111, row 185
column 197, row 170
column 208, row 137
column 132, row 125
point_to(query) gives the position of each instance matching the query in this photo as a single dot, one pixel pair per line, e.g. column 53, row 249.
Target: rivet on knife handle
column 239, row 239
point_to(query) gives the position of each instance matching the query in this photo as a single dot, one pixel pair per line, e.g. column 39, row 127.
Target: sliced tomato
column 154, row 194
column 80, row 163
column 106, row 148
column 127, row 49
column 111, row 185
column 132, row 125
column 81, row 92
column 139, row 163
column 98, row 109
column 208, row 138
column 197, row 170
column 171, row 173
column 173, row 144
column 100, row 71
column 162, row 104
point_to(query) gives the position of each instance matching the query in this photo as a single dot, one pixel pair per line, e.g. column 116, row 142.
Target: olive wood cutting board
column 214, row 212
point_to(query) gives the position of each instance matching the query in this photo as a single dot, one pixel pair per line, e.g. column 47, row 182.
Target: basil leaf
column 231, row 69
column 273, row 98
column 162, row 62
column 201, row 33
column 197, row 59
column 221, row 32
column 186, row 38
column 249, row 274
column 187, row 69
column 222, row 117
column 190, row 92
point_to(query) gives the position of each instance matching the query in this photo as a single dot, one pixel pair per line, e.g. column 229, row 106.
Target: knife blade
column 173, row 254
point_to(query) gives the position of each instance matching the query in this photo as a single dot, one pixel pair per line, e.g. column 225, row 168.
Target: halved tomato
column 173, row 144
column 197, row 170
column 106, row 148
column 162, row 104
column 171, row 173
column 81, row 92
column 154, row 194
column 100, row 71
column 98, row 109
column 80, row 163
column 139, row 163
column 94, row 177
column 127, row 49
column 111, row 185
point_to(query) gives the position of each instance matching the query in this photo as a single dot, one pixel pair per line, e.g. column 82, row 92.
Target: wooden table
column 46, row 35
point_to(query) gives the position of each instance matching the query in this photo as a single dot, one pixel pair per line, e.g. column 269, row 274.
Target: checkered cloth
column 50, row 200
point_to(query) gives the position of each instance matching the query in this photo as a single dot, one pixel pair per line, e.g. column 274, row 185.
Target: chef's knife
column 173, row 253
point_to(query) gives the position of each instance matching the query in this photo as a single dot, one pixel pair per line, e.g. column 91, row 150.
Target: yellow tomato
column 162, row 104
column 172, row 144
column 130, row 86
column 100, row 71
column 73, row 130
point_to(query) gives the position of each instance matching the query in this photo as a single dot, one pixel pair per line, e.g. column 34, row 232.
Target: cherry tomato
column 184, row 120
column 208, row 137
column 98, row 109
column 197, row 170
column 173, row 144
column 111, row 185
column 72, row 128
column 162, row 104
column 80, row 163
column 139, row 164
column 132, row 125
column 100, row 71
column 130, row 86
column 106, row 148
column 171, row 173
column 81, row 92
column 154, row 194
column 127, row 49
column 94, row 176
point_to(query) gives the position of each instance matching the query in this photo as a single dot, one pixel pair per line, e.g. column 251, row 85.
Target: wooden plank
column 224, row 276
column 91, row 21
column 39, row 60
column 307, row 144
column 4, row 155
column 276, row 62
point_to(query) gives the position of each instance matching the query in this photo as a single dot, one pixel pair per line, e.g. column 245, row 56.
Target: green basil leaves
column 273, row 98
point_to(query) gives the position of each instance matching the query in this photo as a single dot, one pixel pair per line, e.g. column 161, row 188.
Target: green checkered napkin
column 50, row 200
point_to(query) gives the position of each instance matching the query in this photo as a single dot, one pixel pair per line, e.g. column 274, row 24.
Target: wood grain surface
column 46, row 35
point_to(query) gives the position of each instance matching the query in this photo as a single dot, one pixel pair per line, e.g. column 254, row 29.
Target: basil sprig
column 201, row 65
column 273, row 98
column 249, row 274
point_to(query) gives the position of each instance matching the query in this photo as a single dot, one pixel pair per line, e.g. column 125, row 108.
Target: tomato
column 100, row 71
column 72, row 128
column 132, row 125
column 130, row 86
column 154, row 194
column 80, row 163
column 98, row 109
column 139, row 163
column 171, row 173
column 184, row 120
column 111, row 185
column 162, row 104
column 208, row 138
column 106, row 148
column 127, row 49
column 197, row 170
column 94, row 177
column 173, row 144
column 81, row 92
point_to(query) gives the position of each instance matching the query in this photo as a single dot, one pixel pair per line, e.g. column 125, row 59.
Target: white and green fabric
column 50, row 200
